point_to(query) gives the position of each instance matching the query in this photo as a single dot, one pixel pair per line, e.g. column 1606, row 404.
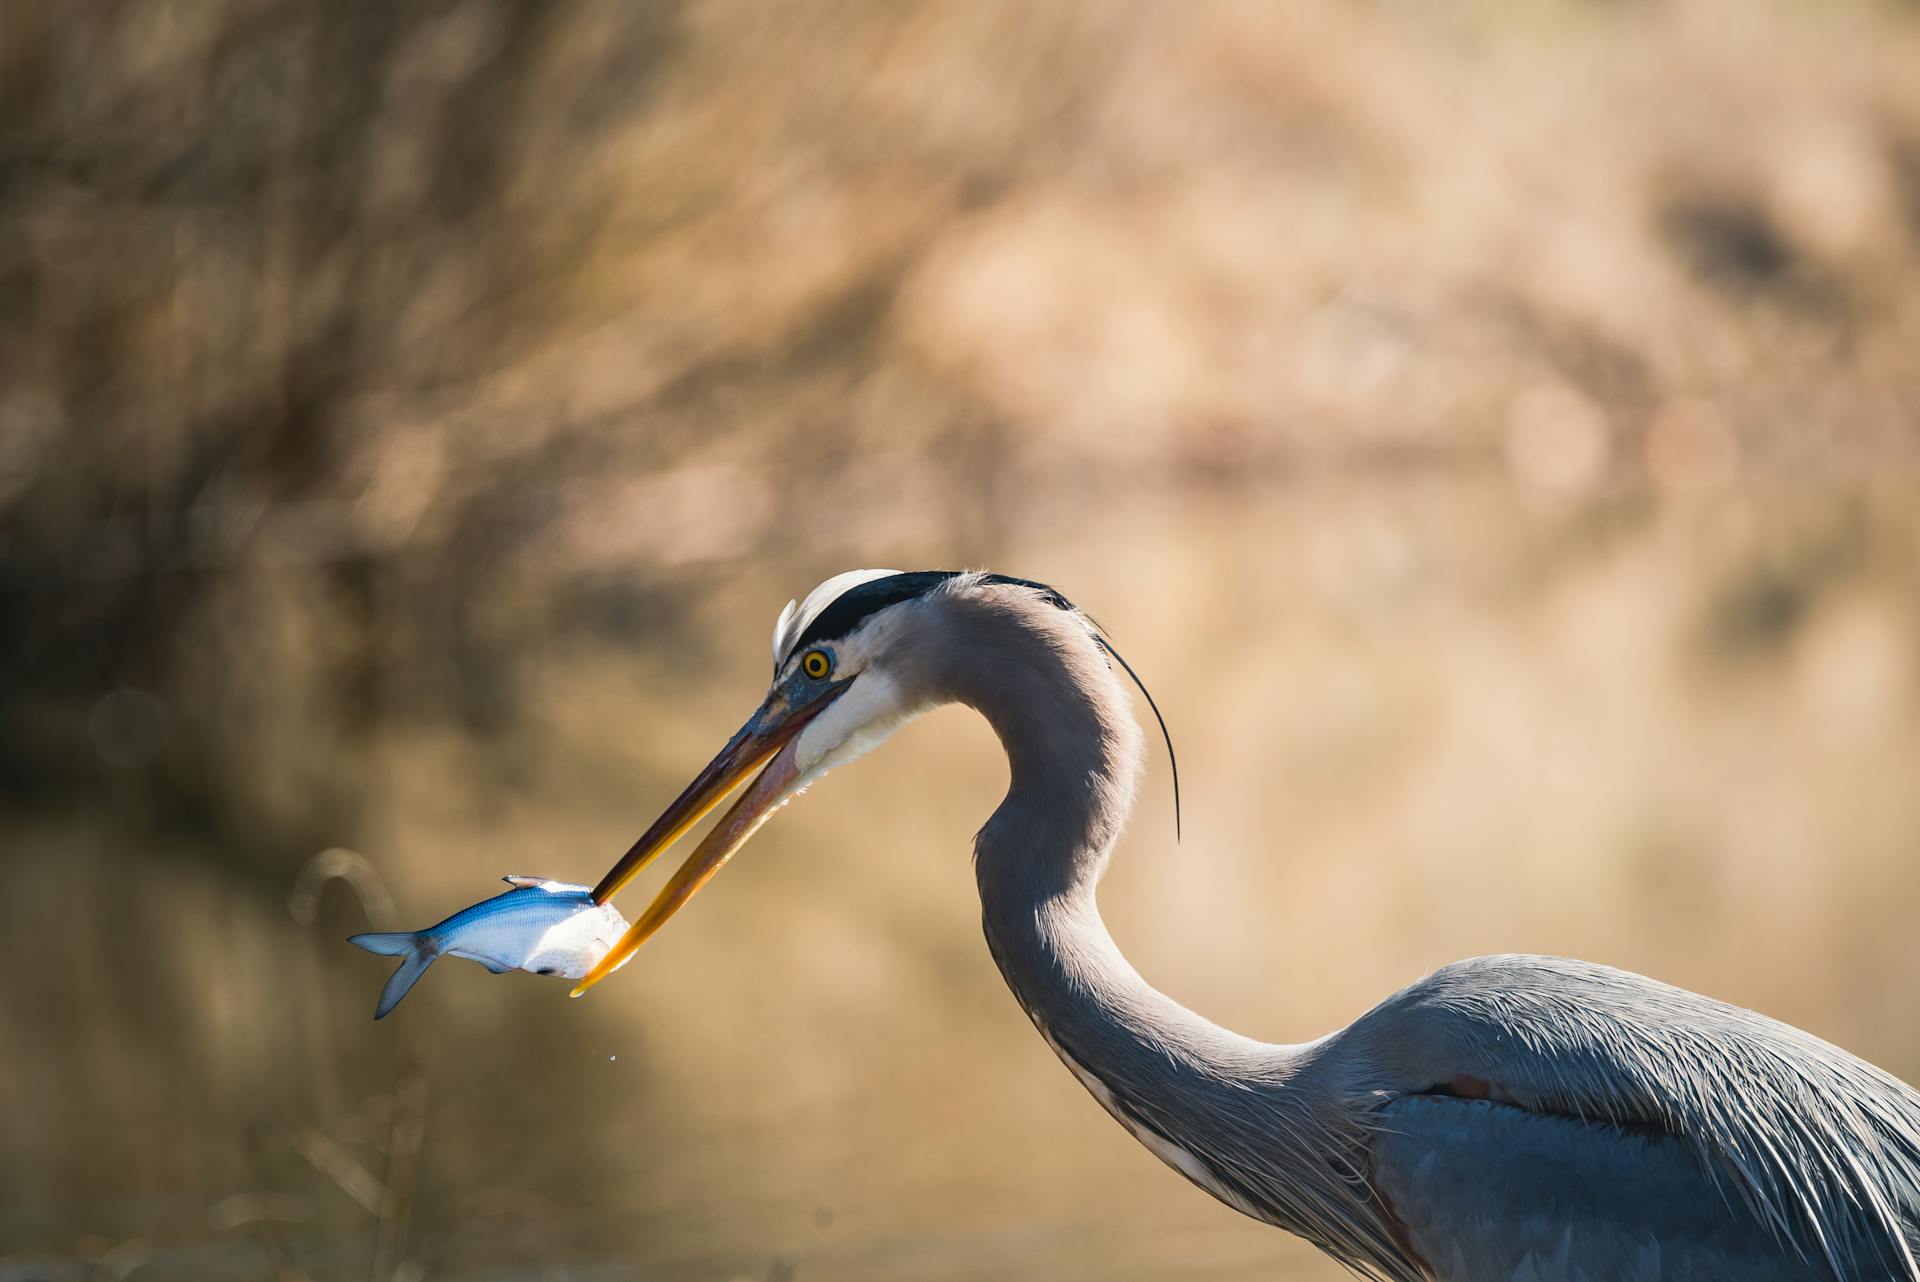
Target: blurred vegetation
column 1492, row 427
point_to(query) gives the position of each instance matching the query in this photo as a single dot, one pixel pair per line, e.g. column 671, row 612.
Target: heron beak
column 757, row 744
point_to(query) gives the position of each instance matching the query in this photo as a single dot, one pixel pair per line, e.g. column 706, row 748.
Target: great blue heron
column 1504, row 1118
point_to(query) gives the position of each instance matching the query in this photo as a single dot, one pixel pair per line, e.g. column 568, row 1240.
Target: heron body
column 1519, row 1119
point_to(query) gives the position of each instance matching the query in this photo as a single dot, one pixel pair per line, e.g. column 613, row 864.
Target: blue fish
column 546, row 927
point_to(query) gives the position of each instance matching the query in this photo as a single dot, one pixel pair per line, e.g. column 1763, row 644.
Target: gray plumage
column 1505, row 1118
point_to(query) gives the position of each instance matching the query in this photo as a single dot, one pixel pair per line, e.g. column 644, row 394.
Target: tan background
column 1490, row 427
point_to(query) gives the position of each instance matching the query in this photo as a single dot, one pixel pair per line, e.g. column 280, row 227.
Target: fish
column 545, row 927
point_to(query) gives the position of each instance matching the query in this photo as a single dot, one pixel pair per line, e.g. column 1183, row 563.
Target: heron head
column 861, row 655
column 844, row 678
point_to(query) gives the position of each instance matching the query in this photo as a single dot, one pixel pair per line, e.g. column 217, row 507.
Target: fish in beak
column 765, row 744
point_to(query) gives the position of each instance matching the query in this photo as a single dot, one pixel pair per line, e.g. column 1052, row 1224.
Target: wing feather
column 1817, row 1145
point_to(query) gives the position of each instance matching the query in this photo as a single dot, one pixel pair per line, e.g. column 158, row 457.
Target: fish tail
column 414, row 946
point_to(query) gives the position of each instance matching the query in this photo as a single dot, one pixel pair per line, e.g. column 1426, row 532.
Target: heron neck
column 1252, row 1123
column 1095, row 1009
column 1073, row 751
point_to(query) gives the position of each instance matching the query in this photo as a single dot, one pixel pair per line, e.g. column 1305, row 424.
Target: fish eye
column 817, row 664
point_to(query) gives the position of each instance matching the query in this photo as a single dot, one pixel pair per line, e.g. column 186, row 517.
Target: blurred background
column 1490, row 427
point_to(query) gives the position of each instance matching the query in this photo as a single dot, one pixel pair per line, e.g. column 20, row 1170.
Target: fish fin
column 403, row 979
column 523, row 883
column 496, row 967
column 387, row 943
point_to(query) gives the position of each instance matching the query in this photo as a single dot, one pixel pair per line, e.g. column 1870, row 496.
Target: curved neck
column 1256, row 1125
column 1073, row 751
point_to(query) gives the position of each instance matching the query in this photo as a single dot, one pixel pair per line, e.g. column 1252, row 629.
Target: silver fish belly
column 545, row 927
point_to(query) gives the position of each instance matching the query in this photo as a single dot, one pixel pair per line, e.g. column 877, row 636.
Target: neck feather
column 1251, row 1123
column 1074, row 752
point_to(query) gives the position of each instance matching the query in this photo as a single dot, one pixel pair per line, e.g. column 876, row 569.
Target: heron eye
column 816, row 664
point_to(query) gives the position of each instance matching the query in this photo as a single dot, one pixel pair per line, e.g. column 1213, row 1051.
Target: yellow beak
column 758, row 744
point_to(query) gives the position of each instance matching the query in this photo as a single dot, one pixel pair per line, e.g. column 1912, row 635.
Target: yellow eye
column 816, row 664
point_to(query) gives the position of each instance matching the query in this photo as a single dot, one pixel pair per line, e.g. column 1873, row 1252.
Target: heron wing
column 1487, row 1191
column 1817, row 1146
